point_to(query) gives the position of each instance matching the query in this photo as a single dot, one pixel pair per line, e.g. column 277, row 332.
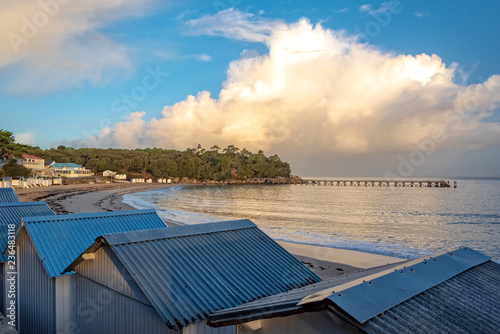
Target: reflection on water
column 404, row 222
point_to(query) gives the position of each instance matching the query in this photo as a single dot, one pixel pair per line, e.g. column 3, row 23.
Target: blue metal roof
column 189, row 272
column 62, row 238
column 11, row 213
column 67, row 164
column 7, row 195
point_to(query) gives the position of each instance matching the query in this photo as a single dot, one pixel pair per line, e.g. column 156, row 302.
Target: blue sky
column 68, row 81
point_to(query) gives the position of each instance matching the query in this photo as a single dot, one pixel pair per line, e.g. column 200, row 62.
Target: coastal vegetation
column 9, row 149
column 215, row 163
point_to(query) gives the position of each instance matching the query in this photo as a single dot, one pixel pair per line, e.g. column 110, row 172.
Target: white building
column 108, row 173
column 68, row 169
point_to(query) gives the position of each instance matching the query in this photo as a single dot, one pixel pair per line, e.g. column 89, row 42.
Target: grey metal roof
column 456, row 292
column 60, row 239
column 8, row 195
column 11, row 214
column 189, row 272
column 371, row 296
column 467, row 303
column 284, row 303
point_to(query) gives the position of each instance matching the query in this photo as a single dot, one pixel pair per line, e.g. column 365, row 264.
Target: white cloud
column 51, row 44
column 27, row 138
column 232, row 23
column 319, row 91
column 202, row 57
column 384, row 7
column 343, row 10
column 421, row 14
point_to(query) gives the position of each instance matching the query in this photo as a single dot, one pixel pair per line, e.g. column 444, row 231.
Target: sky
column 336, row 88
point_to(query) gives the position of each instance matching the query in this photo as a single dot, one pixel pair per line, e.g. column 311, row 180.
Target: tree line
column 213, row 164
column 200, row 164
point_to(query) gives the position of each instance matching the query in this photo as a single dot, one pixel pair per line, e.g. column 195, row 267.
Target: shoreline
column 326, row 262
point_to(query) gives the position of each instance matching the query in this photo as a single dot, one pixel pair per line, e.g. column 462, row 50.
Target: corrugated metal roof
column 62, row 238
column 65, row 164
column 8, row 195
column 373, row 296
column 466, row 303
column 32, row 157
column 188, row 272
column 11, row 213
column 284, row 303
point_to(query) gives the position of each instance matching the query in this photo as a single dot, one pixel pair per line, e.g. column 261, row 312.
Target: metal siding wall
column 203, row 328
column 310, row 323
column 103, row 269
column 2, row 288
column 35, row 292
column 101, row 310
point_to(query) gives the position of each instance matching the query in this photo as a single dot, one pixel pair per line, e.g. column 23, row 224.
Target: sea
column 407, row 222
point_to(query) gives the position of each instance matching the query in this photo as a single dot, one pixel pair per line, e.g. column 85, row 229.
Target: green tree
column 13, row 169
column 8, row 146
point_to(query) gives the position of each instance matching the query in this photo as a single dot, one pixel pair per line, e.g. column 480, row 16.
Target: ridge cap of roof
column 101, row 214
column 120, row 238
column 22, row 203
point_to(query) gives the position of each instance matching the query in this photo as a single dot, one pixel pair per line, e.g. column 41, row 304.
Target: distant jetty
column 381, row 183
column 348, row 183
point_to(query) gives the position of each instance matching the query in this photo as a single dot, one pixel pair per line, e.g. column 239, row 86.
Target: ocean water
column 402, row 222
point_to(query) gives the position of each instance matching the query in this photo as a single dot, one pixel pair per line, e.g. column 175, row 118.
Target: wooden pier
column 380, row 183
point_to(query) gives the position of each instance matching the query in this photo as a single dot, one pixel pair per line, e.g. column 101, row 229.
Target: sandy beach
column 326, row 262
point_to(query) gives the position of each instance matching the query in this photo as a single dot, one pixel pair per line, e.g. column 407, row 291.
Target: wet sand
column 326, row 262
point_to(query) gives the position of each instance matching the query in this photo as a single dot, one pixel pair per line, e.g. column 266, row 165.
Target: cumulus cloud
column 49, row 44
column 320, row 91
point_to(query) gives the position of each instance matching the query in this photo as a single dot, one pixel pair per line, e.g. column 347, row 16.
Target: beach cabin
column 108, row 173
column 454, row 292
column 8, row 195
column 10, row 217
column 170, row 280
column 45, row 246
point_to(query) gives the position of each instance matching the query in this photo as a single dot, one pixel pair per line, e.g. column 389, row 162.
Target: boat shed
column 45, row 246
column 8, row 195
column 454, row 292
column 174, row 278
column 10, row 217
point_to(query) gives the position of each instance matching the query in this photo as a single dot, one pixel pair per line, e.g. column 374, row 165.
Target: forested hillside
column 200, row 164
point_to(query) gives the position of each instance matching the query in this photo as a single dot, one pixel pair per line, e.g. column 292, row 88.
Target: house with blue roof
column 172, row 279
column 45, row 247
column 10, row 217
column 68, row 169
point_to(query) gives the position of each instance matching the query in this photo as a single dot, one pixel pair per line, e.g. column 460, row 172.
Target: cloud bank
column 52, row 44
column 321, row 92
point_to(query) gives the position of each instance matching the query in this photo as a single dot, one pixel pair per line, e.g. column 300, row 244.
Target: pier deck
column 380, row 183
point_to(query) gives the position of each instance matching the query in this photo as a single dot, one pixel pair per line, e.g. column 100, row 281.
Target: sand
column 326, row 262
